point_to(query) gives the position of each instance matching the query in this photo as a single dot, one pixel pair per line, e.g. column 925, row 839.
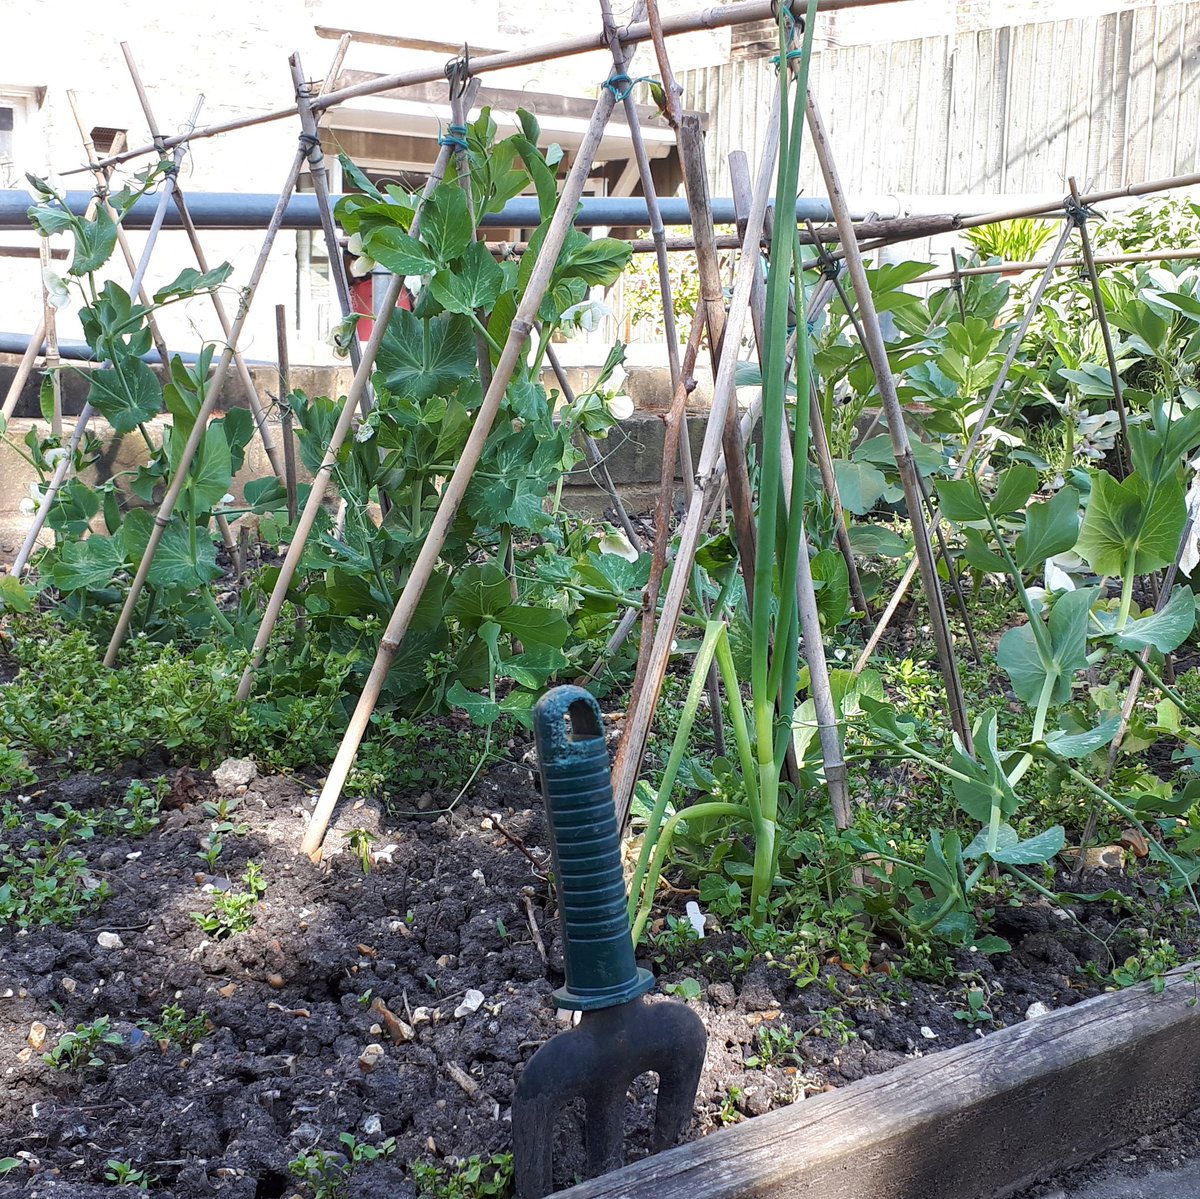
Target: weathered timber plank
column 977, row 1122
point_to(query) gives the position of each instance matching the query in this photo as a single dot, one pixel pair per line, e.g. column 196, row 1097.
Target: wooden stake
column 690, row 139
column 285, row 391
column 1187, row 254
column 320, row 483
column 877, row 352
column 456, row 486
column 1079, row 215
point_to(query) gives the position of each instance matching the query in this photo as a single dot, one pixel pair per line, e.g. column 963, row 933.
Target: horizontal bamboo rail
column 1008, row 268
column 719, row 17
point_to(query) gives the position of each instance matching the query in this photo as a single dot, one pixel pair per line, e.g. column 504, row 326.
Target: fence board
column 1112, row 99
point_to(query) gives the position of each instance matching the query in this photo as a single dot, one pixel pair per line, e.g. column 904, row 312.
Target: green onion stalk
column 775, row 640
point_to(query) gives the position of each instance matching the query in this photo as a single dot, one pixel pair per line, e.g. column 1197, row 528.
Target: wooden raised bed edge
column 977, row 1122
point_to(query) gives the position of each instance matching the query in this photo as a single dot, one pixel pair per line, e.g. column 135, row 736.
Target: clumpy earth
column 348, row 1005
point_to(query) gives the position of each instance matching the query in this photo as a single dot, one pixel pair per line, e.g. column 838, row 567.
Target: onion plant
column 762, row 735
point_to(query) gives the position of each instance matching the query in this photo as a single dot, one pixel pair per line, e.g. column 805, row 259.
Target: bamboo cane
column 102, row 176
column 639, row 717
column 320, row 483
column 690, row 140
column 1085, row 245
column 1187, row 254
column 185, row 216
column 456, row 486
column 285, row 390
column 877, row 352
column 658, row 236
column 319, row 174
column 674, row 428
column 24, row 370
column 163, row 517
column 67, row 461
column 957, row 286
column 969, row 450
column 749, row 418
column 719, row 17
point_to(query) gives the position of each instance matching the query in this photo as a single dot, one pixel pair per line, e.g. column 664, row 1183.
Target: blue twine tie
column 456, row 137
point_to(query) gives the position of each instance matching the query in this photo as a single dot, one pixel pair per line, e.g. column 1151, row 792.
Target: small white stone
column 696, row 916
column 928, row 1033
column 234, row 773
column 1034, row 1010
column 471, row 1002
column 109, row 941
column 372, row 1125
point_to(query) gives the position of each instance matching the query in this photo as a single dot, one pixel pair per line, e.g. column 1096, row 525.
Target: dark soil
column 460, row 901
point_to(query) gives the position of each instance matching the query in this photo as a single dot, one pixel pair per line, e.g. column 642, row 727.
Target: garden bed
column 284, row 1064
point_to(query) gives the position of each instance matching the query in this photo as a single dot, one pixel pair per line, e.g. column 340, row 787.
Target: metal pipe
column 234, row 210
column 80, row 351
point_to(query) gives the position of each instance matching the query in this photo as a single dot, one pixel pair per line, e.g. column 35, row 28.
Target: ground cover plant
column 834, row 887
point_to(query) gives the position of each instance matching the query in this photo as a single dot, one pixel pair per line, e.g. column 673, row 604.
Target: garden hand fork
column 619, row 1036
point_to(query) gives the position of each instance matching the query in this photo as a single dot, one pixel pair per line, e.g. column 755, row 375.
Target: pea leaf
column 859, row 484
column 959, row 502
column 1079, row 745
column 125, row 394
column 401, row 254
column 446, row 225
column 86, row 565
column 1013, row 489
column 94, row 242
column 1050, row 528
column 1025, row 662
column 534, row 625
column 419, row 359
column 475, row 282
column 1165, row 630
column 174, row 565
column 985, row 784
column 479, row 708
column 1034, row 851
column 189, row 281
column 1130, row 525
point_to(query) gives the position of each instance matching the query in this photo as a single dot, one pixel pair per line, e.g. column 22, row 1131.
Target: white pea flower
column 615, row 542
column 364, row 432
column 1191, row 550
column 616, row 379
column 363, row 263
column 620, row 407
column 1057, row 579
column 27, row 507
column 227, row 498
column 414, row 283
column 57, row 293
column 36, row 492
column 585, row 316
column 57, row 454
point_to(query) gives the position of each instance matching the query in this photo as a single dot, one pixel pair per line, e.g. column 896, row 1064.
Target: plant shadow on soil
column 449, row 908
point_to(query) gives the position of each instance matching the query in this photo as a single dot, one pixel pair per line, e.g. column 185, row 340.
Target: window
column 18, row 111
